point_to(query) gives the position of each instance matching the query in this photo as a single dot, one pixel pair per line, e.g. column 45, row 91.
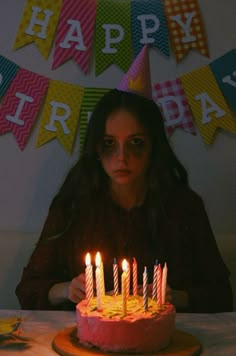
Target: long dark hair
column 88, row 179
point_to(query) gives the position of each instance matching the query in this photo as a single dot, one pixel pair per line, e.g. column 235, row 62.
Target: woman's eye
column 137, row 141
column 108, row 142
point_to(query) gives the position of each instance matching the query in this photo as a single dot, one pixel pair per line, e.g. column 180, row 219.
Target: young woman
column 127, row 196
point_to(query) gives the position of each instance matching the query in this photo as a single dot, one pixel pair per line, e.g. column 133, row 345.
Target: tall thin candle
column 88, row 278
column 115, row 277
column 154, row 282
column 145, row 289
column 98, row 281
column 164, row 282
column 135, row 277
column 124, row 286
column 128, row 280
column 159, row 291
column 102, row 278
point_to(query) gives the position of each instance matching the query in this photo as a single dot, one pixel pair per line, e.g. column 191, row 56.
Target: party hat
column 138, row 78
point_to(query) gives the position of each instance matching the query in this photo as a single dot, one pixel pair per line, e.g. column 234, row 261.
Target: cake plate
column 65, row 343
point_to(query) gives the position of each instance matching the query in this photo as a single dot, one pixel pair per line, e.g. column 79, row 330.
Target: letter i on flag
column 38, row 24
column 60, row 114
column 185, row 27
column 21, row 104
column 75, row 32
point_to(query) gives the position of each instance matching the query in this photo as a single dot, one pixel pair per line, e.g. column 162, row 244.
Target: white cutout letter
column 35, row 21
column 75, row 27
column 109, row 40
column 207, row 109
column 16, row 119
column 185, row 27
column 61, row 118
column 163, row 103
column 227, row 79
column 145, row 30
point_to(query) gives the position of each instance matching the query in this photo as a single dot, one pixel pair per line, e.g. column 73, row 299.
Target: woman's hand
column 77, row 288
column 179, row 298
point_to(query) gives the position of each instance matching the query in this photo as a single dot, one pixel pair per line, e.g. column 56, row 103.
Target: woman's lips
column 122, row 172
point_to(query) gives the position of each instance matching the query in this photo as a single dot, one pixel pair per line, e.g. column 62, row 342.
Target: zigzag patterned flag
column 60, row 114
column 113, row 35
column 38, row 24
column 8, row 71
column 207, row 103
column 149, row 25
column 185, row 27
column 21, row 104
column 224, row 70
column 75, row 32
column 90, row 99
column 171, row 98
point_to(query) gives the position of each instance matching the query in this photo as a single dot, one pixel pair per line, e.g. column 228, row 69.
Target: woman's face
column 125, row 150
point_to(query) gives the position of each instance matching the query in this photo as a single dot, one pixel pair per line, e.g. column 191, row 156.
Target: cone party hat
column 138, row 78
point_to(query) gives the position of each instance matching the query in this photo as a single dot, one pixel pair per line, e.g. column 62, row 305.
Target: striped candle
column 159, row 284
column 115, row 278
column 88, row 278
column 102, row 279
column 145, row 289
column 154, row 283
column 128, row 280
column 124, row 286
column 135, row 277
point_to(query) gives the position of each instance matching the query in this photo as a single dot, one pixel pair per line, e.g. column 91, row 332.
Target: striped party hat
column 138, row 78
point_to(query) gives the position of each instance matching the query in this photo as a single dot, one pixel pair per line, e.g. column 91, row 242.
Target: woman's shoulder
column 184, row 197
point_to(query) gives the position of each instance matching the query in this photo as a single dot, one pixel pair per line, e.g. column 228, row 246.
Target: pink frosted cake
column 136, row 332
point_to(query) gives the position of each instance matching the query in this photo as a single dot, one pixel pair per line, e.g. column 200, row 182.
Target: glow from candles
column 124, row 286
column 98, row 281
column 154, row 282
column 115, row 277
column 135, row 277
column 164, row 282
column 145, row 289
column 88, row 278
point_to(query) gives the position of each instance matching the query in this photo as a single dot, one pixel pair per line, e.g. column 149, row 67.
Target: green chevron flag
column 113, row 35
column 90, row 99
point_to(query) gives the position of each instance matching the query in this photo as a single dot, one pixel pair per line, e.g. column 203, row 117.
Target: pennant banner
column 8, row 71
column 60, row 114
column 172, row 100
column 75, row 32
column 149, row 26
column 185, row 26
column 38, row 24
column 90, row 99
column 207, row 102
column 113, row 20
column 21, row 104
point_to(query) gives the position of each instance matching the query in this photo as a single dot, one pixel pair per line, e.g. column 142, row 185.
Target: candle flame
column 124, row 265
column 88, row 259
column 98, row 259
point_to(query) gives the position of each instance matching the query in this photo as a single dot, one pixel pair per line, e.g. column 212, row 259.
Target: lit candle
column 102, row 279
column 88, row 278
column 124, row 286
column 159, row 277
column 135, row 277
column 128, row 280
column 115, row 277
column 154, row 282
column 145, row 289
column 164, row 282
column 98, row 281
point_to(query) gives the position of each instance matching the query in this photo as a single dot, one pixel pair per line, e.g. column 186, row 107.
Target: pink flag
column 21, row 104
column 75, row 32
column 172, row 100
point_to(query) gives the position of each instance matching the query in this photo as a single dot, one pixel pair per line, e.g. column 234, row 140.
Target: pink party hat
column 138, row 78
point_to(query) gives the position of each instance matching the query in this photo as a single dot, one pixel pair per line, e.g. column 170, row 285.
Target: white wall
column 29, row 179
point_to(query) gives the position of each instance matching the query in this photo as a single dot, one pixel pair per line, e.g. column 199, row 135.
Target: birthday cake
column 136, row 332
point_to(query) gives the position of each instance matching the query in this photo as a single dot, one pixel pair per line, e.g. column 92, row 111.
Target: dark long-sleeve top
column 184, row 241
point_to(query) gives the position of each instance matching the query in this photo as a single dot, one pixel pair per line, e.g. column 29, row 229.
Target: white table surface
column 216, row 332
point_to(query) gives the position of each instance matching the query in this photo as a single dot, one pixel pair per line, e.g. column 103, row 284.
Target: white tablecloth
column 216, row 332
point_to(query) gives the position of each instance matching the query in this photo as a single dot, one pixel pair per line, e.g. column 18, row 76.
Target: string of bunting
column 116, row 29
column 205, row 97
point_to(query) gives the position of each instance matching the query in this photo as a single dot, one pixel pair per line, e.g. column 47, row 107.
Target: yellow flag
column 207, row 103
column 38, row 24
column 60, row 114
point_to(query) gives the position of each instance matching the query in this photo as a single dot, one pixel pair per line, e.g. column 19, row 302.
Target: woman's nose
column 121, row 152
